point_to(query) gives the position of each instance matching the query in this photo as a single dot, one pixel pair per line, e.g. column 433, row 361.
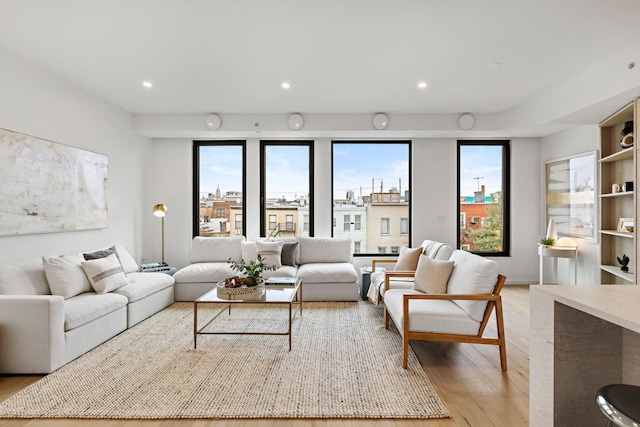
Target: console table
column 558, row 252
column 582, row 338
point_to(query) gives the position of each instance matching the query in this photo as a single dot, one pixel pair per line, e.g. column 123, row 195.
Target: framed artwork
column 571, row 184
column 46, row 187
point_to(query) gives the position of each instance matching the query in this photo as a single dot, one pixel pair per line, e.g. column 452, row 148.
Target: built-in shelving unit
column 617, row 166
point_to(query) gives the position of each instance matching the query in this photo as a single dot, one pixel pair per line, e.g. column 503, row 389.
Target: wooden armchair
column 450, row 317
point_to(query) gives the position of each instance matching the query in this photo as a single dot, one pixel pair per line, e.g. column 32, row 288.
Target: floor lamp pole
column 163, row 239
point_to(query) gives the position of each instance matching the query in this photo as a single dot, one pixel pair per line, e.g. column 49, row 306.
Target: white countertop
column 618, row 304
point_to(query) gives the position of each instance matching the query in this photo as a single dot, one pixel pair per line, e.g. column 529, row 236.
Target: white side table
column 558, row 252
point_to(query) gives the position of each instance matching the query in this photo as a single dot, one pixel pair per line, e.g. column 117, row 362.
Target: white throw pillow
column 65, row 275
column 473, row 275
column 105, row 274
column 271, row 253
column 249, row 251
column 129, row 265
column 432, row 275
column 408, row 259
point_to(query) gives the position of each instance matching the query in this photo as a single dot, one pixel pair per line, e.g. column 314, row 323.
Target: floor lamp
column 161, row 210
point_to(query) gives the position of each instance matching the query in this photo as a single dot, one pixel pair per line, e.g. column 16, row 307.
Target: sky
column 355, row 166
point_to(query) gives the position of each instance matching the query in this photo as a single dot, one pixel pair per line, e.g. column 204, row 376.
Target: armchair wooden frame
column 494, row 301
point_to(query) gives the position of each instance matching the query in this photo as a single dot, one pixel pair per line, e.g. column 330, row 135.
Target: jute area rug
column 343, row 364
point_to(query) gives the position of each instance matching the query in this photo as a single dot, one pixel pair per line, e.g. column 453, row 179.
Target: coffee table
column 291, row 295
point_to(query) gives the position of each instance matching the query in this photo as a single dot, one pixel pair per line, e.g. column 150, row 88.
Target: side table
column 558, row 252
column 365, row 281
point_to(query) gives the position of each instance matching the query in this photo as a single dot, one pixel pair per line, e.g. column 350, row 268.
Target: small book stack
column 155, row 266
column 281, row 281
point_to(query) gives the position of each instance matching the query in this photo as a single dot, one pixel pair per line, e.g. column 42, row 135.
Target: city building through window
column 483, row 197
column 371, row 194
column 218, row 188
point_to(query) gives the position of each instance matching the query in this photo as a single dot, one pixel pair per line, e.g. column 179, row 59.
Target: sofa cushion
column 340, row 272
column 249, row 250
column 105, row 274
column 141, row 285
column 324, row 249
column 129, row 265
column 472, row 274
column 84, row 308
column 284, row 271
column 204, row 272
column 438, row 316
column 432, row 275
column 24, row 278
column 408, row 259
column 65, row 275
column 216, row 249
column 436, row 250
column 271, row 252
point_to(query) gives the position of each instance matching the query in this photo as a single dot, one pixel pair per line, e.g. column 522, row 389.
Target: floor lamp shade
column 160, row 210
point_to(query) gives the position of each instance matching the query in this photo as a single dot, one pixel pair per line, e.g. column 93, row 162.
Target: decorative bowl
column 629, row 228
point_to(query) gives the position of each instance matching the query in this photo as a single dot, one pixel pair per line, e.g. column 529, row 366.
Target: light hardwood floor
column 467, row 378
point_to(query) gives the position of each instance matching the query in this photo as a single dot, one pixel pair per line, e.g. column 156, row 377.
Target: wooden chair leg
column 405, row 351
column 501, row 338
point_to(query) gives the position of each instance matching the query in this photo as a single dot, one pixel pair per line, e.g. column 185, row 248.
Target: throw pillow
column 100, row 254
column 432, row 275
column 105, row 274
column 65, row 275
column 289, row 253
column 271, row 252
column 408, row 259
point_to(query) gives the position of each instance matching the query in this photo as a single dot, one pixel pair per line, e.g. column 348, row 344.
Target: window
column 404, row 226
column 218, row 188
column 286, row 187
column 371, row 183
column 305, row 226
column 395, row 250
column 483, row 194
column 382, row 249
column 347, row 223
column 384, row 226
column 356, row 247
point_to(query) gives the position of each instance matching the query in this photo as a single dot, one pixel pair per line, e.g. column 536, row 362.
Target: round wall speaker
column 380, row 121
column 296, row 121
column 466, row 121
column 213, row 122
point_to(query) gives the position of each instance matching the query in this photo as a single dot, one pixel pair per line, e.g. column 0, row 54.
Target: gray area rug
column 343, row 364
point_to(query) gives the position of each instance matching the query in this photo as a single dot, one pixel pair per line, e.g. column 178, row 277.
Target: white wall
column 578, row 140
column 38, row 103
column 433, row 198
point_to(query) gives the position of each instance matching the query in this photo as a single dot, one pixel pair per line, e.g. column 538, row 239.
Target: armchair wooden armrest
column 381, row 261
column 390, row 274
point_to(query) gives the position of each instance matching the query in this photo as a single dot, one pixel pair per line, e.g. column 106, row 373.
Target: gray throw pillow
column 289, row 254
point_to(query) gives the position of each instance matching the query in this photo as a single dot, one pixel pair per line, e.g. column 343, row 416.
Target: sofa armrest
column 391, row 274
column 31, row 333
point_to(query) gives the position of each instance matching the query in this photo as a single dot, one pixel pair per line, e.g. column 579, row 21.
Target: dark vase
column 624, row 268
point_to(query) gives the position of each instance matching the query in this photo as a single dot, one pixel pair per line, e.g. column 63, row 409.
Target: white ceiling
column 340, row 56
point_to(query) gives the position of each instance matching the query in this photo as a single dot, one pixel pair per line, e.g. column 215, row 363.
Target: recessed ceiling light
column 147, row 84
column 423, row 85
column 492, row 66
column 285, row 85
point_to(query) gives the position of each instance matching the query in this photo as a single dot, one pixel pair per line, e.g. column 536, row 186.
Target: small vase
column 624, row 268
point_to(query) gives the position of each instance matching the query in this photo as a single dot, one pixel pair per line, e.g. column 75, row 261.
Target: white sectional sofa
column 51, row 312
column 323, row 264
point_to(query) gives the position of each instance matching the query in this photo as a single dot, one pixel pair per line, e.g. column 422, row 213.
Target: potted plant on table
column 548, row 242
column 252, row 270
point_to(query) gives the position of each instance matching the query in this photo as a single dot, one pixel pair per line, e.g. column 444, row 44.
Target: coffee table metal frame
column 291, row 295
